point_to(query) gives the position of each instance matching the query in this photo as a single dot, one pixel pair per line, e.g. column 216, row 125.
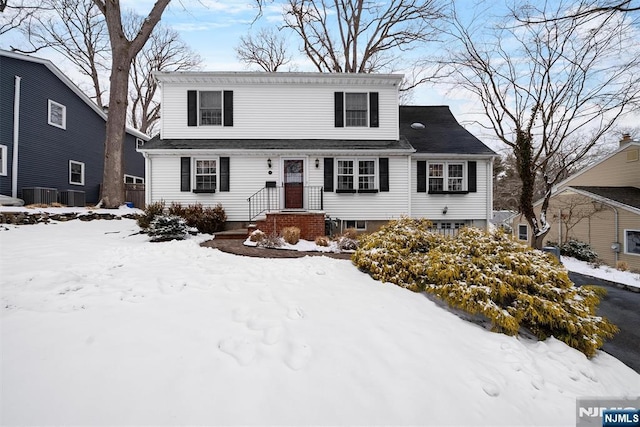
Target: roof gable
column 75, row 89
column 440, row 134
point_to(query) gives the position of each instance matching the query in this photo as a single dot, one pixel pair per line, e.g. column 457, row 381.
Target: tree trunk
column 113, row 175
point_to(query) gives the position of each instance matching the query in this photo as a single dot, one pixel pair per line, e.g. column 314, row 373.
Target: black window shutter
column 185, row 173
column 228, row 107
column 373, row 110
column 422, row 176
column 384, row 173
column 328, row 174
column 472, row 177
column 192, row 108
column 224, row 174
column 339, row 109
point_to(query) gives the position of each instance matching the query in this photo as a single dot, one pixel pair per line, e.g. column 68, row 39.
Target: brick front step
column 311, row 224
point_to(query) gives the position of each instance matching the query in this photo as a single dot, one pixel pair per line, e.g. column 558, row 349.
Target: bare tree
column 14, row 14
column 550, row 90
column 582, row 9
column 357, row 36
column 164, row 51
column 267, row 49
column 123, row 52
column 77, row 30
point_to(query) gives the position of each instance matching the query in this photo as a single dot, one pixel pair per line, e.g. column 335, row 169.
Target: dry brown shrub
column 322, row 241
column 350, row 233
column 291, row 235
column 257, row 236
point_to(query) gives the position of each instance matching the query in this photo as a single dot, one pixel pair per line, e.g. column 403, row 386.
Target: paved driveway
column 622, row 307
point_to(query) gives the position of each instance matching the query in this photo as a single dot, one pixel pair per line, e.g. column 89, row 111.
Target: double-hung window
column 356, row 109
column 446, row 177
column 205, row 177
column 76, row 172
column 210, row 108
column 345, row 175
column 523, row 232
column 356, row 175
column 57, row 115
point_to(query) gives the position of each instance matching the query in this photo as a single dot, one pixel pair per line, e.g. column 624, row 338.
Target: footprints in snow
column 269, row 321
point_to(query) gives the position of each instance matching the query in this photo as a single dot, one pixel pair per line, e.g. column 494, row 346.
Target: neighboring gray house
column 294, row 147
column 52, row 136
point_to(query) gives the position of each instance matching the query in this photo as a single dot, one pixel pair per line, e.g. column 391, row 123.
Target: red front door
column 293, row 184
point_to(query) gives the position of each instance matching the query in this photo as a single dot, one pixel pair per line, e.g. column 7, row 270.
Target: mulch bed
column 236, row 247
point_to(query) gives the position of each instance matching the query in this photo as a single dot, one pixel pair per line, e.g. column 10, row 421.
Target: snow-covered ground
column 101, row 327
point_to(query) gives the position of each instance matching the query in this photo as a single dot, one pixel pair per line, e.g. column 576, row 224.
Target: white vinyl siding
column 279, row 111
column 460, row 207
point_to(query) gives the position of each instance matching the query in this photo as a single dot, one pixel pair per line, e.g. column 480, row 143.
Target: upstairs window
column 356, row 110
column 76, row 172
column 131, row 179
column 57, row 115
column 211, row 108
column 205, row 176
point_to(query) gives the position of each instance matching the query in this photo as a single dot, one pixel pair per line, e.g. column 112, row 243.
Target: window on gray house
column 3, row 160
column 76, row 172
column 57, row 115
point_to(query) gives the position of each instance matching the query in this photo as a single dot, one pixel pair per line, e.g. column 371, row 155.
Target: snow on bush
column 490, row 274
column 167, row 227
column 577, row 249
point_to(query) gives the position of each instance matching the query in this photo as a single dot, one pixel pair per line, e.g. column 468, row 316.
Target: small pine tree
column 167, row 227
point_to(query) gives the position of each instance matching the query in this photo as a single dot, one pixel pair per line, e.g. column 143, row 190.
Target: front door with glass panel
column 293, row 184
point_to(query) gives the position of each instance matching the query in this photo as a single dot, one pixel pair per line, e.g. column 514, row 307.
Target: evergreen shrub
column 511, row 284
column 167, row 227
column 578, row 250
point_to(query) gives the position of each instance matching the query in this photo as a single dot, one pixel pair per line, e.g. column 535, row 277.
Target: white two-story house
column 309, row 146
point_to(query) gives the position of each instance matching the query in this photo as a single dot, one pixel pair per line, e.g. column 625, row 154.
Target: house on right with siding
column 600, row 205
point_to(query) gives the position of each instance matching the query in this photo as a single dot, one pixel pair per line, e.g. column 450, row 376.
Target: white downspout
column 16, row 137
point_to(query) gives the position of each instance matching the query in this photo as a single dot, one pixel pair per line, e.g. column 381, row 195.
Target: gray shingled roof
column 629, row 196
column 277, row 144
column 441, row 134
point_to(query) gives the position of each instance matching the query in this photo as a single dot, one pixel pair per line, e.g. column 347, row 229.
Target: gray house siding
column 46, row 150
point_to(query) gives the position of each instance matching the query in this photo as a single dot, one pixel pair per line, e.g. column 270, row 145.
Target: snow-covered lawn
column 101, row 327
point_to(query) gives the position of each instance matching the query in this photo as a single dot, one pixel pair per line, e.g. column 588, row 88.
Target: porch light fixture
column 445, row 210
column 317, row 163
column 269, row 163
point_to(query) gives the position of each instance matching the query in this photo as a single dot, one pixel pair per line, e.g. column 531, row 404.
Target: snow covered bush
column 322, row 241
column 167, row 227
column 257, row 236
column 291, row 235
column 578, row 250
column 511, row 284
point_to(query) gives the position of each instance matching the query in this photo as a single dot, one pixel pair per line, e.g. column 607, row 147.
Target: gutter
column 16, row 137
